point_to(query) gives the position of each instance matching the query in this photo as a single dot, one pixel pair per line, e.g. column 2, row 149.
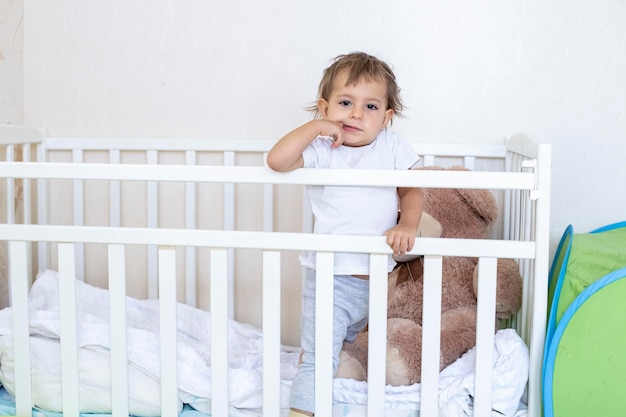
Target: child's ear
column 322, row 106
column 388, row 116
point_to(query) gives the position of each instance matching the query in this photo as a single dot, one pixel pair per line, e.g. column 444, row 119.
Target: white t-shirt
column 355, row 210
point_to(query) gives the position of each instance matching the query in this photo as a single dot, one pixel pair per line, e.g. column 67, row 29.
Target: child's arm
column 401, row 237
column 286, row 154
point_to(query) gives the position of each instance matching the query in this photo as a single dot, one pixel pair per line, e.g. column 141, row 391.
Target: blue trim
column 548, row 370
column 551, row 325
column 609, row 227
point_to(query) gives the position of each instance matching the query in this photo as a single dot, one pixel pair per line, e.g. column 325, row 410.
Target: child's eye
column 345, row 103
column 371, row 107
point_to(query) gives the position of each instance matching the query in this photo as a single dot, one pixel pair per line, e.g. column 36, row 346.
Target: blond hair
column 360, row 66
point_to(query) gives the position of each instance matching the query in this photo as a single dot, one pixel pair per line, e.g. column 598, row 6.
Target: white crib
column 203, row 222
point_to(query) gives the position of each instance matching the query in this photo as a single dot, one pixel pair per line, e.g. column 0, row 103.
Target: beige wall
column 11, row 69
column 11, row 94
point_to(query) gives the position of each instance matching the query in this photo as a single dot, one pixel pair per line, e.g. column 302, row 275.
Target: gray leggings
column 350, row 313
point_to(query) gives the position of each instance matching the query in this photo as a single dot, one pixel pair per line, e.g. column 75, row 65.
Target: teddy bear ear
column 481, row 201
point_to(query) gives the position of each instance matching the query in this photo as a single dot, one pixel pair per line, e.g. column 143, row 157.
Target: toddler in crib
column 357, row 99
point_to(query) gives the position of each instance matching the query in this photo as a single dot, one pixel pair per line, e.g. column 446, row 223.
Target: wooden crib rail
column 116, row 239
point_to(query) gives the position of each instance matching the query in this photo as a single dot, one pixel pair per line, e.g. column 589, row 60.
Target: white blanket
column 456, row 385
column 194, row 354
column 194, row 381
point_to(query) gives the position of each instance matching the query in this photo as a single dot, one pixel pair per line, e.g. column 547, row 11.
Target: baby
column 357, row 99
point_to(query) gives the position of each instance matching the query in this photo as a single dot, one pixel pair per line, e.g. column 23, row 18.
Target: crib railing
column 272, row 244
column 526, row 185
column 190, row 152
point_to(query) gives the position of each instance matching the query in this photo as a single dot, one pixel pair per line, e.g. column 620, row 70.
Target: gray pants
column 350, row 314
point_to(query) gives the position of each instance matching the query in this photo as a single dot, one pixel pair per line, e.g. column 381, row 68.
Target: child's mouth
column 349, row 128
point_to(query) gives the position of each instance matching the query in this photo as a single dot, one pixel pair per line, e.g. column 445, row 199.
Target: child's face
column 360, row 108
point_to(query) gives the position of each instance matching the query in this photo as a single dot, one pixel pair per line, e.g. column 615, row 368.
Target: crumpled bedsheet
column 193, row 348
column 456, row 385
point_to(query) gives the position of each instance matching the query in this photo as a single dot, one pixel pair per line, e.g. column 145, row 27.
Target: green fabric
column 592, row 256
column 590, row 365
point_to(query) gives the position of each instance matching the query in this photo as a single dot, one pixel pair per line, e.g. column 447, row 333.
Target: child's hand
column 401, row 239
column 332, row 130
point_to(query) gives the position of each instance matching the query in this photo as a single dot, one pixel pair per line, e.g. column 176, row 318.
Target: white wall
column 469, row 71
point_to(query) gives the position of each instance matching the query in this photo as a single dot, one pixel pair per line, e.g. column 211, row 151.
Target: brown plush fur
column 461, row 213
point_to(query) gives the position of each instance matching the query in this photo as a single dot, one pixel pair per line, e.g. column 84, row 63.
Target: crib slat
column 10, row 190
column 431, row 335
column 20, row 278
column 469, row 162
column 323, row 333
column 219, row 333
column 79, row 215
column 26, row 188
column 190, row 223
column 115, row 215
column 229, row 224
column 167, row 320
column 42, row 209
column 69, row 344
column 117, row 322
column 377, row 346
column 268, row 203
column 271, row 333
column 429, row 160
column 152, row 158
column 485, row 314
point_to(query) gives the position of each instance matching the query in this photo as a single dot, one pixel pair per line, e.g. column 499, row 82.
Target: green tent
column 584, row 371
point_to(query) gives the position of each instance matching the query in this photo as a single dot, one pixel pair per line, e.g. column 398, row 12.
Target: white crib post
column 271, row 333
column 540, row 277
column 431, row 335
column 69, row 344
column 485, row 314
column 219, row 333
column 19, row 281
column 377, row 346
column 169, row 357
column 323, row 333
column 117, row 322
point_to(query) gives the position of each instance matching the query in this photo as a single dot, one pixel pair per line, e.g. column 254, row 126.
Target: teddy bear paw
column 350, row 367
column 396, row 368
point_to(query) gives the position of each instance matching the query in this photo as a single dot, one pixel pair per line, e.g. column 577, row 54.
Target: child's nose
column 357, row 113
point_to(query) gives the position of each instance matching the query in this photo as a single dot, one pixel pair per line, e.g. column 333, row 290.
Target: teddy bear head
column 459, row 212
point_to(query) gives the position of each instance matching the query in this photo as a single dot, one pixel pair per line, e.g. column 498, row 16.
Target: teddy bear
column 447, row 213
